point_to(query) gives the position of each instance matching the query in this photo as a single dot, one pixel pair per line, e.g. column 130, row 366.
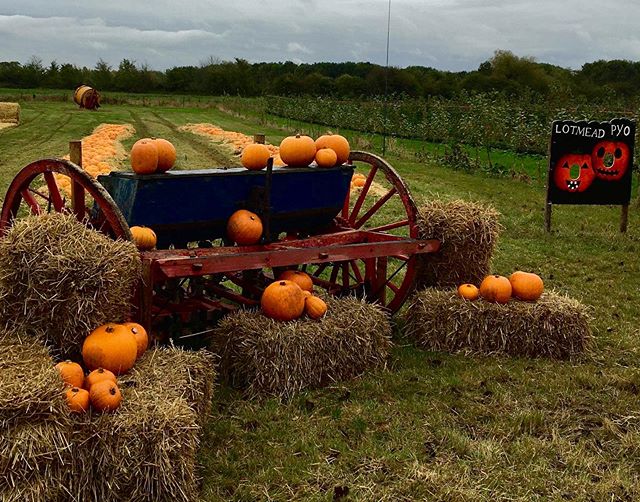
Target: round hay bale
column 63, row 279
column 467, row 231
column 283, row 358
column 555, row 326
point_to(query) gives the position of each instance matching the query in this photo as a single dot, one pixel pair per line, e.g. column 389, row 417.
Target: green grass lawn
column 432, row 426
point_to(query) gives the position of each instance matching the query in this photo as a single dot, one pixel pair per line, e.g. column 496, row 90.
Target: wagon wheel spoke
column 31, row 201
column 55, row 197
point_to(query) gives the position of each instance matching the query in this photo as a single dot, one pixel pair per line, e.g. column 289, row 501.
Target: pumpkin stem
column 282, row 283
column 109, row 329
column 75, row 389
column 112, row 391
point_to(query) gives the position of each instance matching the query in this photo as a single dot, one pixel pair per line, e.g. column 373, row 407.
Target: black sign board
column 590, row 163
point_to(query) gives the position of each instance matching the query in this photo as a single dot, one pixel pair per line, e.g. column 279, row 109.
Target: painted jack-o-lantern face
column 610, row 160
column 583, row 173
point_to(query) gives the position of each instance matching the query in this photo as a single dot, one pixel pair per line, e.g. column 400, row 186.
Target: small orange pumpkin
column 302, row 279
column 255, row 156
column 297, row 151
column 98, row 375
column 495, row 288
column 283, row 300
column 144, row 238
column 112, row 347
column 105, row 396
column 326, row 157
column 141, row 336
column 72, row 373
column 166, row 154
column 526, row 285
column 144, row 156
column 468, row 292
column 315, row 307
column 77, row 399
column 244, row 227
column 337, row 143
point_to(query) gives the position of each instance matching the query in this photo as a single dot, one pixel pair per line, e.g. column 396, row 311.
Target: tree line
column 505, row 73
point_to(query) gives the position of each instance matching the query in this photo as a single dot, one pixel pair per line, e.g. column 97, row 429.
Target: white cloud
column 296, row 47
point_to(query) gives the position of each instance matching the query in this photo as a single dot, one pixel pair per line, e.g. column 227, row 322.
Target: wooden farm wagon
column 361, row 241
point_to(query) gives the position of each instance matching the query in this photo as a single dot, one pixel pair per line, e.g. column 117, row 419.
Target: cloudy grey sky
column 446, row 34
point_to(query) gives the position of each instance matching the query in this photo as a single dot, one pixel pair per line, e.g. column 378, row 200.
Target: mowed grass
column 432, row 426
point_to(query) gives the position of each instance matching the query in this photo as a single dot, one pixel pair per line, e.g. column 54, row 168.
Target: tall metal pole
column 386, row 86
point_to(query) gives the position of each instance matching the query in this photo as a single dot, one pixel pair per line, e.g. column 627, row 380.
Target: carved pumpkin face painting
column 610, row 160
column 583, row 173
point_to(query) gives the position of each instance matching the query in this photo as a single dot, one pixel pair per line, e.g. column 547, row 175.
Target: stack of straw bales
column 555, row 326
column 276, row 358
column 61, row 278
column 468, row 233
column 9, row 115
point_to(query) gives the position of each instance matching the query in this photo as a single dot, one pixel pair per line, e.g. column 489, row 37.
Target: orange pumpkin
column 326, row 157
column 144, row 238
column 77, row 399
column 315, row 307
column 495, row 288
column 337, row 143
column 297, row 151
column 302, row 279
column 112, row 347
column 166, row 154
column 244, row 227
column 255, row 156
column 144, row 156
column 105, row 396
column 98, row 375
column 140, row 334
column 468, row 291
column 283, row 300
column 359, row 182
column 72, row 373
column 526, row 286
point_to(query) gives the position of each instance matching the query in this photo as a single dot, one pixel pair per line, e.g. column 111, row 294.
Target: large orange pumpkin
column 140, row 334
column 495, row 288
column 98, row 375
column 297, row 151
column 283, row 300
column 302, row 279
column 244, row 227
column 468, row 292
column 77, row 399
column 337, row 143
column 72, row 373
column 315, row 307
column 111, row 346
column 326, row 157
column 526, row 285
column 255, row 156
column 105, row 396
column 144, row 238
column 166, row 154
column 144, row 156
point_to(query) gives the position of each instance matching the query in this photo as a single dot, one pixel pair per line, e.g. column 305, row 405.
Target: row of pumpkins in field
column 157, row 155
column 109, row 350
column 520, row 285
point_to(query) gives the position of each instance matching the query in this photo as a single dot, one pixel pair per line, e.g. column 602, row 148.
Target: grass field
column 433, row 426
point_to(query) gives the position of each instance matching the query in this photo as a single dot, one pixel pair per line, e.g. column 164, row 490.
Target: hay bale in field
column 555, row 326
column 31, row 389
column 9, row 115
column 61, row 278
column 282, row 358
column 468, row 233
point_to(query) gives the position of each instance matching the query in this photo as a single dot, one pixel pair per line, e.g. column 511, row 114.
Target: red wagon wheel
column 36, row 190
column 382, row 204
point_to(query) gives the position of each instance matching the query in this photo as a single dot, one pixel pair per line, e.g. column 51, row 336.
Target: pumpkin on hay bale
column 555, row 326
column 270, row 357
column 467, row 231
column 63, row 279
column 145, row 451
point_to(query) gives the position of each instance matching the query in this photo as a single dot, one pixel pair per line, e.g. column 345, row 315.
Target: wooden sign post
column 591, row 163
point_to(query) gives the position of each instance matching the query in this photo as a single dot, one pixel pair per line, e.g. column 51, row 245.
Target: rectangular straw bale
column 9, row 113
column 554, row 326
column 468, row 232
column 283, row 358
column 30, row 387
